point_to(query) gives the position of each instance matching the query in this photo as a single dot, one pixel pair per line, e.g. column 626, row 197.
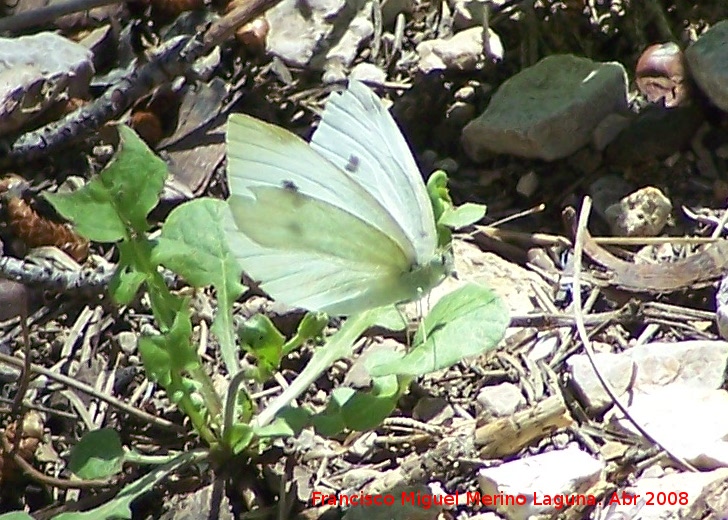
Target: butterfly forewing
column 358, row 135
column 261, row 154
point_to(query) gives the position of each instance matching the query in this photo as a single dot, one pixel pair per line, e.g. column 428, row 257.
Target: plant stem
column 338, row 346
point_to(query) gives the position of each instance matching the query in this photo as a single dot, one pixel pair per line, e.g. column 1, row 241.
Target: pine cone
column 37, row 231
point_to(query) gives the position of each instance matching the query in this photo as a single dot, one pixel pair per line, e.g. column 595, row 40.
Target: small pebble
column 527, row 184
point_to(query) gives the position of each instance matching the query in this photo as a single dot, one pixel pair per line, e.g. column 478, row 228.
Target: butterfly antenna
column 405, row 321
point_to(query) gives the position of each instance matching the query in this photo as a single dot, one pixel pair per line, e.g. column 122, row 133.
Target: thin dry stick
column 584, row 336
column 36, row 475
column 25, row 374
column 17, row 410
column 49, row 13
column 721, row 225
column 644, row 241
column 68, row 381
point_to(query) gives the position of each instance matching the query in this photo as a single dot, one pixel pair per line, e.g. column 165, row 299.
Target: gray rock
column 360, row 29
column 127, row 342
column 568, row 471
column 501, row 400
column 38, row 71
column 608, row 129
column 709, row 489
column 697, row 364
column 528, row 184
column 548, row 111
column 464, row 51
column 608, row 190
column 721, row 308
column 469, row 13
column 691, row 422
column 643, row 213
column 459, row 114
column 298, row 29
column 707, row 59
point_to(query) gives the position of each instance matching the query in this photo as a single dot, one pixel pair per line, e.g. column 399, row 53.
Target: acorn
column 661, row 75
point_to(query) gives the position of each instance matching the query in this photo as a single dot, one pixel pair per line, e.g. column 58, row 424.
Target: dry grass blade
column 68, row 381
column 584, row 335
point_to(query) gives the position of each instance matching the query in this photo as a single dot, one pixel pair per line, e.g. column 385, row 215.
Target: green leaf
column 447, row 215
column 466, row 322
column 439, row 194
column 331, row 422
column 311, row 326
column 259, row 337
column 169, row 352
column 16, row 515
column 389, row 318
column 193, row 245
column 127, row 279
column 290, row 421
column 97, row 455
column 118, row 508
column 239, row 437
column 461, row 216
column 122, row 195
column 156, row 359
column 359, row 410
column 366, row 410
column 178, row 340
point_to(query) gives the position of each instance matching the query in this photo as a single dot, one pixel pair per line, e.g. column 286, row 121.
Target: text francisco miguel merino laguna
column 426, row 501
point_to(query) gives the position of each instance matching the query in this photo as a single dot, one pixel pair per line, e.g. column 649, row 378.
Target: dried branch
column 81, row 387
column 35, row 275
column 171, row 62
column 49, row 13
column 581, row 227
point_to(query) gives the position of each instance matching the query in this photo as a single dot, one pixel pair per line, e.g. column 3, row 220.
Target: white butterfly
column 342, row 225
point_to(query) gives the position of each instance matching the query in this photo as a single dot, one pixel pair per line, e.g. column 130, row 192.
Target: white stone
column 500, row 400
column 690, row 422
column 699, row 364
column 464, row 51
column 561, row 472
column 37, row 72
column 705, row 491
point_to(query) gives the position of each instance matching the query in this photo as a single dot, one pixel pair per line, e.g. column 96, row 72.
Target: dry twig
column 584, row 335
column 163, row 67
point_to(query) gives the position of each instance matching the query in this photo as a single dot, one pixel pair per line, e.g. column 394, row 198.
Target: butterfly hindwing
column 348, row 281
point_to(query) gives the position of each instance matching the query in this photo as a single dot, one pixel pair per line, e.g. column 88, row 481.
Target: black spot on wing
column 353, row 165
column 290, row 186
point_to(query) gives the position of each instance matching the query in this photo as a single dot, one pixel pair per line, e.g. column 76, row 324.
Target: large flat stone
column 548, row 111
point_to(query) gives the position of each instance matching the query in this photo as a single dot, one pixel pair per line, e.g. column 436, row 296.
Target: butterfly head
column 428, row 275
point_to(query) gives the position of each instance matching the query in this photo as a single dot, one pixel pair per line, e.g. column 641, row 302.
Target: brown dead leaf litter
column 650, row 315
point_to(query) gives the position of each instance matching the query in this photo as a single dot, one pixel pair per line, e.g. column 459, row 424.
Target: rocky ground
column 595, row 134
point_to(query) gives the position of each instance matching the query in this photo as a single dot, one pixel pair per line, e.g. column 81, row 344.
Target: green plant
column 114, row 208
